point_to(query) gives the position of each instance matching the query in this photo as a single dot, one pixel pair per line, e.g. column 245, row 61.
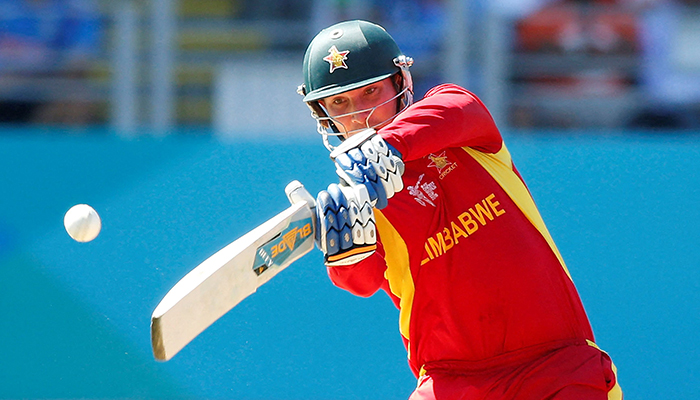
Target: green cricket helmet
column 350, row 55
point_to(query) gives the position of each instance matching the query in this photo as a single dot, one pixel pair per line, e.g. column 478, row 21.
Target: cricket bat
column 233, row 273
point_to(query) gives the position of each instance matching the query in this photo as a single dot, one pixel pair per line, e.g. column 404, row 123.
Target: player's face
column 368, row 106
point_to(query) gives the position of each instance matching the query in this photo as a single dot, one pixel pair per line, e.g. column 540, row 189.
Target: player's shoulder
column 448, row 88
column 452, row 95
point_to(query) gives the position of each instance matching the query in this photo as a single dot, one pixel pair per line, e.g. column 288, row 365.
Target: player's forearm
column 450, row 117
column 361, row 279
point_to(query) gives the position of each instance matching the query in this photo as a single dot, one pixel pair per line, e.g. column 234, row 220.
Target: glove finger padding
column 392, row 161
column 362, row 171
column 346, row 224
column 374, row 164
column 385, row 164
column 361, row 215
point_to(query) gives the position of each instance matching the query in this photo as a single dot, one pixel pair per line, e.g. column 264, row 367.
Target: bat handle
column 296, row 193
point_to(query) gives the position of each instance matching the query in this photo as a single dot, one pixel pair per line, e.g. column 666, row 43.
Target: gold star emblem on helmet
column 336, row 58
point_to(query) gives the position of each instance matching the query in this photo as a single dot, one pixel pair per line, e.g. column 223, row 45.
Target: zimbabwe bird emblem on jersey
column 442, row 164
column 336, row 58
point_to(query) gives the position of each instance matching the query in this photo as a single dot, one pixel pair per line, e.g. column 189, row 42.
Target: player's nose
column 360, row 118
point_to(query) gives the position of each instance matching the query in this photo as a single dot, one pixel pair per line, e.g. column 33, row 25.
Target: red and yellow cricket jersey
column 463, row 251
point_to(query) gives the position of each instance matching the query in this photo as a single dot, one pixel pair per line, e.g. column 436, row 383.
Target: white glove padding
column 366, row 159
column 347, row 232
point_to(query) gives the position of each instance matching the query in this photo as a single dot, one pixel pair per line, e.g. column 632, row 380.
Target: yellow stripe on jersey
column 398, row 269
column 616, row 392
column 500, row 166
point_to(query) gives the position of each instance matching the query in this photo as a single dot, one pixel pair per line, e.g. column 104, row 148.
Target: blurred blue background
column 178, row 121
column 622, row 207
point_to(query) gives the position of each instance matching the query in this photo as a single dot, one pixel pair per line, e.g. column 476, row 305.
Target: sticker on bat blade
column 279, row 249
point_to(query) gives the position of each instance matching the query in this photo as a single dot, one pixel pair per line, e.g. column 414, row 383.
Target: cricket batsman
column 488, row 309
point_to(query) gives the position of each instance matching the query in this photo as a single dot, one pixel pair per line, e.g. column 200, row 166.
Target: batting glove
column 366, row 159
column 347, row 231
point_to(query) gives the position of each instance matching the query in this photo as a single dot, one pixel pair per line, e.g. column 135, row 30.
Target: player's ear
column 397, row 80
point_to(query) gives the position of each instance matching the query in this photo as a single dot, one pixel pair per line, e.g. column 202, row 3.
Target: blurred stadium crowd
column 568, row 63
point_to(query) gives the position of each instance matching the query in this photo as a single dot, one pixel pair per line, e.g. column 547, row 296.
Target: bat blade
column 230, row 275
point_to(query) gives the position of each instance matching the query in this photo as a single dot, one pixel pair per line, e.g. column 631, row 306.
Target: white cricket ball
column 82, row 223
